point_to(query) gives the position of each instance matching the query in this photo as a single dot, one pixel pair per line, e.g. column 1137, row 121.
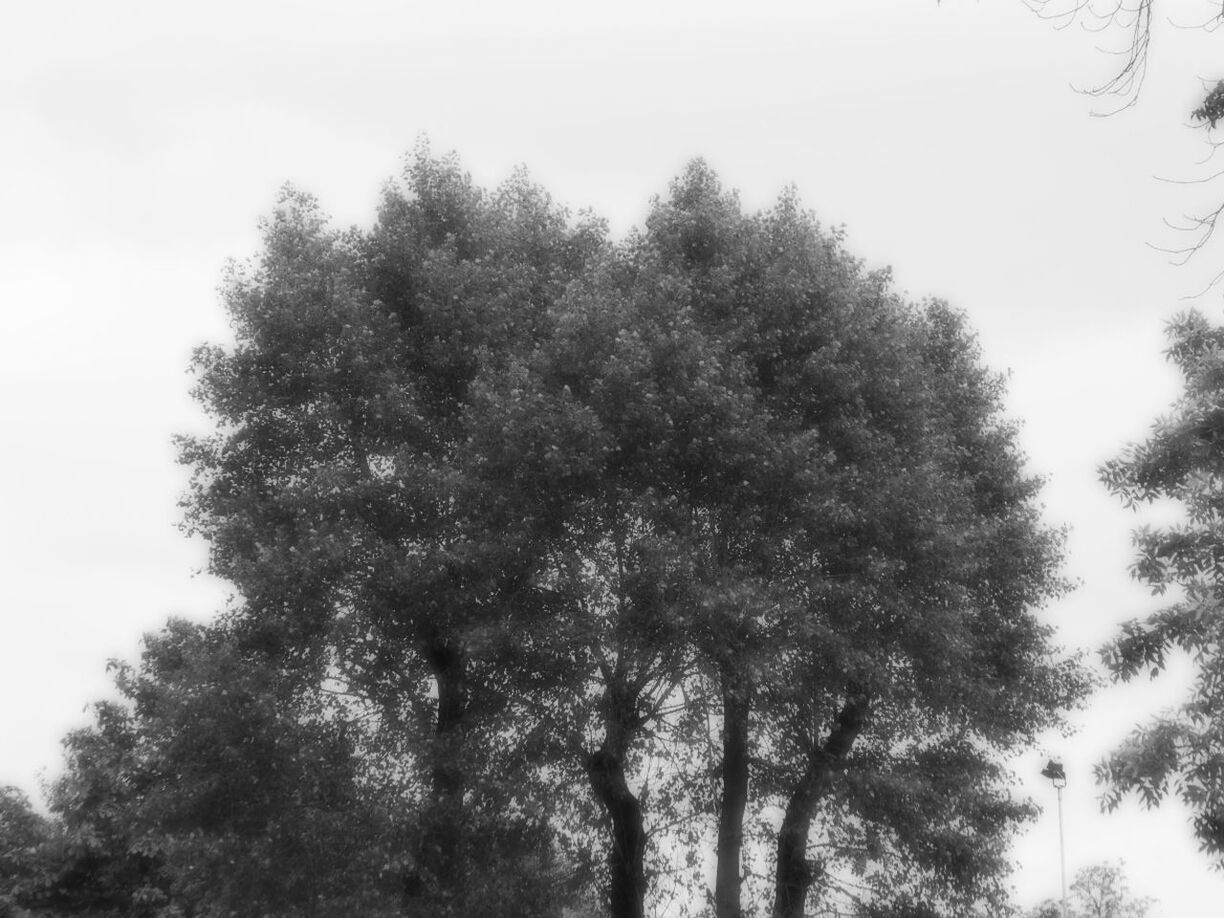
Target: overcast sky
column 142, row 142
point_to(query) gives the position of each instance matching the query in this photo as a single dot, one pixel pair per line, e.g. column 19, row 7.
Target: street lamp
column 1054, row 771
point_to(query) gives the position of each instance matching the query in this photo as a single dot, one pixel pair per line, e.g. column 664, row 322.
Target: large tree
column 806, row 499
column 876, row 547
column 561, row 508
column 340, row 494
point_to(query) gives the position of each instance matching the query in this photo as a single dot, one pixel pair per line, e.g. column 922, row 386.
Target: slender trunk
column 736, row 704
column 626, row 860
column 795, row 875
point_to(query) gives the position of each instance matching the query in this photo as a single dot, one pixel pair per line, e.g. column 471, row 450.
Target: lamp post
column 1054, row 771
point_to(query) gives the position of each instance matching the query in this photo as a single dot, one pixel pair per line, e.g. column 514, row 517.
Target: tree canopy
column 558, row 553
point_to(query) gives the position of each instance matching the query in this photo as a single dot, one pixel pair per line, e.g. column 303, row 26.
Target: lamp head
column 1054, row 771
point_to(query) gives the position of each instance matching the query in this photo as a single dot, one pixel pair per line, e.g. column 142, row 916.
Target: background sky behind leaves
column 143, row 140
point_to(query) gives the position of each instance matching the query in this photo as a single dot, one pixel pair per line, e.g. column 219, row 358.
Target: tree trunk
column 442, row 831
column 794, row 875
column 736, row 705
column 626, row 860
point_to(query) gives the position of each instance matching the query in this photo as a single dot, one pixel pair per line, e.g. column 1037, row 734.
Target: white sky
column 142, row 140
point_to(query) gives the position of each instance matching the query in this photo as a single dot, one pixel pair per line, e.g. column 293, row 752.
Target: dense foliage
column 219, row 786
column 23, row 833
column 1181, row 752
column 568, row 564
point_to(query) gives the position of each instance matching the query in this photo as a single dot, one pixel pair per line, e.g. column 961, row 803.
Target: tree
column 804, row 498
column 226, row 784
column 561, row 509
column 249, row 790
column 1179, row 752
column 23, row 834
column 879, row 530
column 1099, row 891
column 339, row 494
column 211, row 789
column 96, row 862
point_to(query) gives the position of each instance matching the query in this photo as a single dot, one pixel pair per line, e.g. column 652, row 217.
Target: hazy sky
column 142, row 141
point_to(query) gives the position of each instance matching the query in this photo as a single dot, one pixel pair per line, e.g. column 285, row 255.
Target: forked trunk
column 794, row 874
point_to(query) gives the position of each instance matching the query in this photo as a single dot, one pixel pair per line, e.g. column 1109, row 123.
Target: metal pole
column 1062, row 853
